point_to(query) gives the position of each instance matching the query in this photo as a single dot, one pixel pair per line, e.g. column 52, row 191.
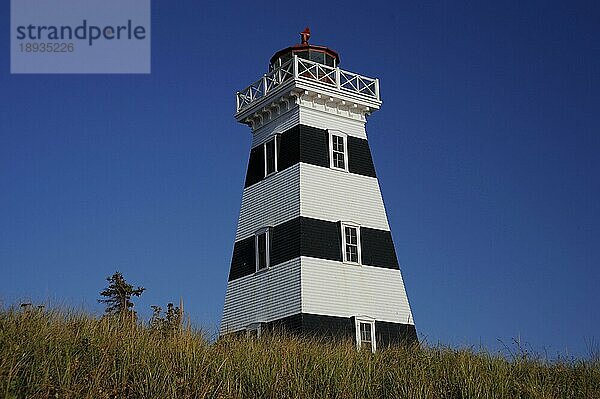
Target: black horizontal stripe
column 256, row 166
column 314, row 238
column 341, row 328
column 243, row 261
column 378, row 248
column 314, row 146
column 359, row 157
column 289, row 148
column 388, row 333
column 309, row 145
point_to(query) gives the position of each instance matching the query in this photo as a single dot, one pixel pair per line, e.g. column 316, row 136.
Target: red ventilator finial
column 305, row 35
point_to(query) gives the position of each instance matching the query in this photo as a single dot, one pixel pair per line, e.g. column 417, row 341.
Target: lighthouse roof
column 305, row 49
column 321, row 54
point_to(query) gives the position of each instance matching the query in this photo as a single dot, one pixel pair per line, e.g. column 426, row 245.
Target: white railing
column 299, row 68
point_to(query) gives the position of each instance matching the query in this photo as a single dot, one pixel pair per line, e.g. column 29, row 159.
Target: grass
column 63, row 354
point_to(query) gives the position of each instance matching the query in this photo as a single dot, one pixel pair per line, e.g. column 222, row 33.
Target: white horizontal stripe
column 326, row 120
column 262, row 297
column 270, row 202
column 335, row 195
column 314, row 192
column 310, row 117
column 279, row 125
column 339, row 289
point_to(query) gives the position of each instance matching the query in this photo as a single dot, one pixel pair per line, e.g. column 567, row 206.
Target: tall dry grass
column 62, row 354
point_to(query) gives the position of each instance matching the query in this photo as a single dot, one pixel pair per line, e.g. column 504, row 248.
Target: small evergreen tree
column 170, row 323
column 117, row 296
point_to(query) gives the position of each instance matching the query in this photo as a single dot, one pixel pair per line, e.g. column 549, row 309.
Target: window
column 271, row 151
column 253, row 330
column 338, row 150
column 329, row 60
column 262, row 245
column 365, row 333
column 351, row 243
column 317, row 56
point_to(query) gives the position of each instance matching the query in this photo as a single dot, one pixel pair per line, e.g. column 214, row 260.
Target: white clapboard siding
column 334, row 195
column 344, row 290
column 310, row 117
column 325, row 120
column 278, row 125
column 270, row 202
column 265, row 296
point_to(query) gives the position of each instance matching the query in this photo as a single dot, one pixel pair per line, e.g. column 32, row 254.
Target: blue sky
column 486, row 148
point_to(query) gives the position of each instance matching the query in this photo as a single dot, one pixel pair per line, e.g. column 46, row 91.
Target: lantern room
column 322, row 55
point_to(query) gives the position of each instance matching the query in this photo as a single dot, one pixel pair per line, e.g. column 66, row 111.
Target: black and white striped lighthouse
column 313, row 251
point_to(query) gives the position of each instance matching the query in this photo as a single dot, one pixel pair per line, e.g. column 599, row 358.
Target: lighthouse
column 313, row 251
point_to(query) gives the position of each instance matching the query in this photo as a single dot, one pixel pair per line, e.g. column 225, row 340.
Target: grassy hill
column 58, row 354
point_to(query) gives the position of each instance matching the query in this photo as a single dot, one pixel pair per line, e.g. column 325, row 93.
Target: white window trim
column 343, row 231
column 267, row 232
column 345, row 137
column 275, row 140
column 254, row 327
column 368, row 320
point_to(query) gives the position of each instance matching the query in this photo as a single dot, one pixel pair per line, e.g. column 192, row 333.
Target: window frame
column 358, row 321
column 254, row 328
column 344, row 137
column 267, row 232
column 343, row 226
column 275, row 139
